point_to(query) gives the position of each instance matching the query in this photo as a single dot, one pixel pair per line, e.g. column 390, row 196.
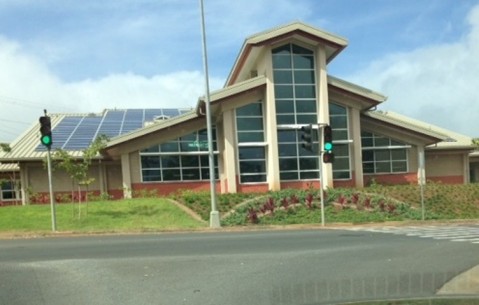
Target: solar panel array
column 78, row 132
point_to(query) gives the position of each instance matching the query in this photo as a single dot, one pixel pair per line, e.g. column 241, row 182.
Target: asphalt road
column 267, row 267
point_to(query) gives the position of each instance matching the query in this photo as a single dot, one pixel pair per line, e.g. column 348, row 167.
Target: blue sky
column 85, row 56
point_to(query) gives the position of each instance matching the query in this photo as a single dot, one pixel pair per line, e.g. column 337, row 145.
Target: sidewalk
column 465, row 283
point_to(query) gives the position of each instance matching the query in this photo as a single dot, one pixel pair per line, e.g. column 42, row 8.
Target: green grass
column 377, row 203
column 371, row 204
column 200, row 201
column 141, row 214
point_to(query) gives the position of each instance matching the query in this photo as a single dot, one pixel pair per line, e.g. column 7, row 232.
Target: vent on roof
column 253, row 73
column 450, row 140
column 161, row 117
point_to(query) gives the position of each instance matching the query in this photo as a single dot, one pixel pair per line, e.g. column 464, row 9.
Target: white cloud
column 28, row 86
column 437, row 84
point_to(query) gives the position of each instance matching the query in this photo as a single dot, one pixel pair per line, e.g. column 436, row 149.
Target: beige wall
column 413, row 159
column 113, row 176
column 439, row 164
column 37, row 179
column 135, row 166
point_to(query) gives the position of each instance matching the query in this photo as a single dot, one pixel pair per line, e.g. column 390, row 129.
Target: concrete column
column 323, row 108
column 102, row 177
column 356, row 157
column 421, row 165
column 466, row 170
column 229, row 160
column 269, row 107
column 126, row 175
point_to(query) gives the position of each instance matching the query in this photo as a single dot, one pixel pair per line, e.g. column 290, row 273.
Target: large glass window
column 183, row 159
column 383, row 154
column 295, row 85
column 338, row 117
column 295, row 162
column 251, row 144
column 295, row 98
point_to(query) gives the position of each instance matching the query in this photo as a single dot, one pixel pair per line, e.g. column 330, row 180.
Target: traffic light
column 328, row 156
column 46, row 131
column 307, row 137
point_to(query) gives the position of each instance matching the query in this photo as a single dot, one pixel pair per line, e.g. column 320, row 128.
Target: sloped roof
column 151, row 128
column 215, row 96
column 446, row 139
column 9, row 167
column 299, row 30
column 74, row 132
column 374, row 98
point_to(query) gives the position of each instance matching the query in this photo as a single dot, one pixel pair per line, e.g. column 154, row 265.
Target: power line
column 15, row 122
column 19, row 102
column 27, row 103
column 8, row 131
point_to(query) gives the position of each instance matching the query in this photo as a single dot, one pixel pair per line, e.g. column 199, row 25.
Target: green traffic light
column 46, row 140
column 328, row 146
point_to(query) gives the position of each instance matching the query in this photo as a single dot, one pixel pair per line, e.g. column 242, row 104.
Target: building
column 278, row 84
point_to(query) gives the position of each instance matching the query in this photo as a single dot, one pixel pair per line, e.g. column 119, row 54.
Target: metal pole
column 214, row 214
column 50, row 187
column 320, row 135
column 422, row 181
column 423, row 210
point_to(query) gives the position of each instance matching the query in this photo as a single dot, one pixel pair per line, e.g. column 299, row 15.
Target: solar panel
column 111, row 124
column 84, row 133
column 150, row 114
column 171, row 112
column 77, row 132
column 62, row 132
column 133, row 120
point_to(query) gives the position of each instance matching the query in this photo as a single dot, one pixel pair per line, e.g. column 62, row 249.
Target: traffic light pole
column 321, row 152
column 50, row 188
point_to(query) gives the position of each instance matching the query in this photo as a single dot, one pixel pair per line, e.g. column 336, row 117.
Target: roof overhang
column 297, row 31
column 9, row 167
column 366, row 98
column 238, row 90
column 376, row 120
column 119, row 143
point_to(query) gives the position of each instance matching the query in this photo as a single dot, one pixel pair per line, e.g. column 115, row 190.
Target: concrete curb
column 465, row 283
column 247, row 228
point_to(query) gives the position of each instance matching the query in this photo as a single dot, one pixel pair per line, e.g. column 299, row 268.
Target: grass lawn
column 376, row 203
column 134, row 215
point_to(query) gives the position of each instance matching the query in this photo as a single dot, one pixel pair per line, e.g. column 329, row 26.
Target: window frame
column 251, row 144
column 199, row 153
column 381, row 149
column 13, row 189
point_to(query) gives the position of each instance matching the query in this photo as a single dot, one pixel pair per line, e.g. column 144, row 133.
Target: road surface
column 262, row 267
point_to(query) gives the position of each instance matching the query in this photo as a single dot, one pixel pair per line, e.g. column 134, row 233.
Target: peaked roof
column 298, row 30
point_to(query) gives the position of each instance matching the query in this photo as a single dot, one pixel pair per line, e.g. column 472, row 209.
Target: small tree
column 5, row 147
column 78, row 168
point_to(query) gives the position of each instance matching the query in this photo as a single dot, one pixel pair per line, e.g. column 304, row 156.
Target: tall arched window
column 295, row 99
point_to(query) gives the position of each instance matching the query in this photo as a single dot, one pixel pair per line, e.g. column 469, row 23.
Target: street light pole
column 214, row 214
